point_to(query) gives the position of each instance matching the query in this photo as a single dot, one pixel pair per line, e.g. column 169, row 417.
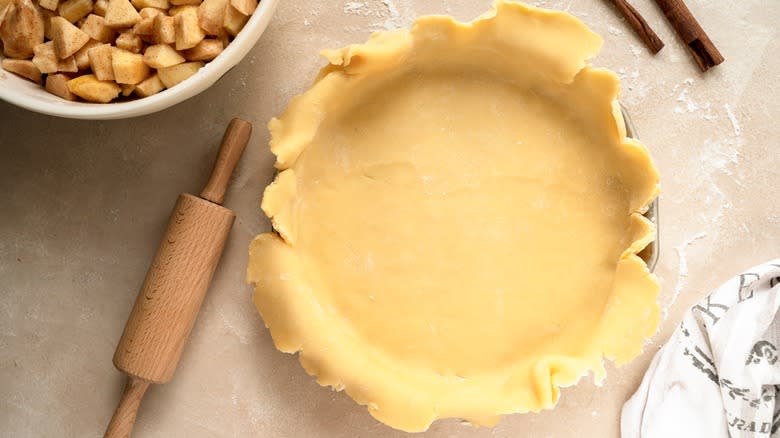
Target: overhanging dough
column 458, row 215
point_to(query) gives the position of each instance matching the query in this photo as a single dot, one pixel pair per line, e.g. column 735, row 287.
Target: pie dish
column 457, row 217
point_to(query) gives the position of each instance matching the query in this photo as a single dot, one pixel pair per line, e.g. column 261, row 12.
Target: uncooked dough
column 457, row 217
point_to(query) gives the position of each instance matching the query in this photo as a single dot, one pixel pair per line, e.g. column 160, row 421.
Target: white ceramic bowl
column 33, row 97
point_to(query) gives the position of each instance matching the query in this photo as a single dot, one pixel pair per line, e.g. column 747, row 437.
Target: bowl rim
column 195, row 84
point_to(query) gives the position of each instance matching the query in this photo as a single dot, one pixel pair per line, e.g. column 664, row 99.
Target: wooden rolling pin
column 176, row 284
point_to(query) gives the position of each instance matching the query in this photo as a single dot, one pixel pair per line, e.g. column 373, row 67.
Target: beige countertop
column 83, row 205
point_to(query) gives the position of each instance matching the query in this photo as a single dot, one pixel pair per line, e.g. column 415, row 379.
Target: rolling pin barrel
column 176, row 284
column 173, row 290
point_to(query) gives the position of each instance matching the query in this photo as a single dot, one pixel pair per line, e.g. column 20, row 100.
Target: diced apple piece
column 68, row 39
column 164, row 31
column 211, row 15
column 185, row 2
column 89, row 88
column 188, row 31
column 57, row 84
column 234, row 20
column 161, row 56
column 100, row 61
column 148, row 40
column 46, row 60
column 67, row 65
column 22, row 29
column 206, row 50
column 171, row 76
column 82, row 56
column 121, row 13
column 159, row 4
column 49, row 4
column 149, row 86
column 24, row 68
column 47, row 16
column 246, row 7
column 144, row 27
column 150, row 12
column 100, row 7
column 95, row 27
column 127, row 89
column 74, row 10
column 129, row 68
column 130, row 42
column 5, row 8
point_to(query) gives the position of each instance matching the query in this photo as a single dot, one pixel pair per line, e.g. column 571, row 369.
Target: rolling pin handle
column 233, row 144
column 121, row 425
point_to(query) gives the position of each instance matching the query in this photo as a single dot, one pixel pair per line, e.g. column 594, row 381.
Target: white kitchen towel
column 719, row 375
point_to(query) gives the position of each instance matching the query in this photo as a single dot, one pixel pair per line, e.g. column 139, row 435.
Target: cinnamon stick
column 639, row 25
column 699, row 44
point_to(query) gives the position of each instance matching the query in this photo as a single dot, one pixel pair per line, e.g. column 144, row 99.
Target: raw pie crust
column 457, row 217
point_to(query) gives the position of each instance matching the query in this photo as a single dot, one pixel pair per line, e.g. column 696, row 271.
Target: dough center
column 432, row 210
